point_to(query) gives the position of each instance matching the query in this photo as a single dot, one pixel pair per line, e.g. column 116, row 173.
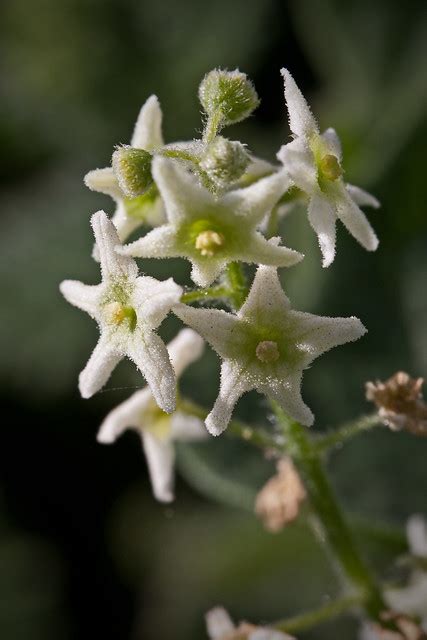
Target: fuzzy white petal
column 100, row 365
column 332, row 142
column 124, row 224
column 362, row 197
column 148, row 129
column 184, row 349
column 416, row 531
column 268, row 634
column 287, row 394
column 355, row 221
column 82, row 296
column 234, row 383
column 153, row 299
column 266, row 297
column 318, row 334
column 160, row 456
column 113, row 265
column 301, row 120
column 215, row 325
column 255, row 201
column 205, row 272
column 185, row 427
column 150, row 355
column 298, row 161
column 158, row 243
column 323, row 220
column 261, row 251
column 181, row 192
column 104, row 181
column 127, row 414
column 218, row 623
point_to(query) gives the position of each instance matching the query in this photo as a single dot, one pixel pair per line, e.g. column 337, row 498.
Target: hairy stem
column 238, row 288
column 334, row 528
column 211, row 293
column 212, row 126
column 312, row 618
column 338, row 437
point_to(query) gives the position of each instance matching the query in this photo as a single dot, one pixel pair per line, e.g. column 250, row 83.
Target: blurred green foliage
column 74, row 75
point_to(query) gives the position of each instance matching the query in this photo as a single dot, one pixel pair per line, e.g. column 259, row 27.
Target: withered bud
column 405, row 628
column 400, row 403
column 279, row 500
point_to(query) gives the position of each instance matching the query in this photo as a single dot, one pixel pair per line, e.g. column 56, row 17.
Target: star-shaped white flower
column 221, row 627
column 266, row 346
column 313, row 162
column 209, row 231
column 412, row 599
column 158, row 430
column 127, row 309
column 148, row 208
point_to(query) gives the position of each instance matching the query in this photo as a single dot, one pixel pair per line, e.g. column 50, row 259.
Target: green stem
column 212, row 126
column 212, row 293
column 179, row 154
column 312, row 618
column 237, row 284
column 338, row 438
column 334, row 527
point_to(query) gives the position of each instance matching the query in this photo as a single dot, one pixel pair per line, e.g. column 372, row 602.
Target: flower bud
column 230, row 92
column 132, row 168
column 224, row 161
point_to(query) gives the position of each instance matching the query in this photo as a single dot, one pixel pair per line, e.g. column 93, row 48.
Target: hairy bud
column 230, row 92
column 132, row 168
column 224, row 161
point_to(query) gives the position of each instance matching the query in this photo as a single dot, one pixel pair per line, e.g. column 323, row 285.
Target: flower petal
column 323, row 220
column 298, row 161
column 100, row 365
column 216, row 326
column 287, row 393
column 301, row 120
column 151, row 357
column 355, row 221
column 205, row 271
column 362, row 197
column 416, row 532
column 234, row 383
column 268, row 634
column 184, row 349
column 113, row 265
column 160, row 456
column 128, row 414
column 266, row 298
column 153, row 299
column 148, row 129
column 185, row 427
column 261, row 251
column 219, row 624
column 255, row 201
column 181, row 192
column 332, row 142
column 158, row 243
column 82, row 296
column 104, row 181
column 315, row 335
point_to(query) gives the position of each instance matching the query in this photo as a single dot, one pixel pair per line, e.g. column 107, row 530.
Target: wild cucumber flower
column 313, row 162
column 221, row 627
column 209, row 231
column 127, row 309
column 157, row 429
column 266, row 347
column 132, row 212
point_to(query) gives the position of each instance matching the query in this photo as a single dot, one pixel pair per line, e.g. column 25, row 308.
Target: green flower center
column 329, row 168
column 117, row 314
column 267, row 351
column 209, row 242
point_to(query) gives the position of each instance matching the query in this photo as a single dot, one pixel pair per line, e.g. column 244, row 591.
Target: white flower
column 157, row 429
column 127, row 309
column 209, row 231
column 412, row 599
column 221, row 627
column 313, row 162
column 148, row 209
column 266, row 347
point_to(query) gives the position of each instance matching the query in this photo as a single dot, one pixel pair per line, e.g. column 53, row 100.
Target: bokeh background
column 85, row 552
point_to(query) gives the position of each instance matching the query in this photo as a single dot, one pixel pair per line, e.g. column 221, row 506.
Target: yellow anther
column 208, row 242
column 267, row 351
column 330, row 167
column 115, row 313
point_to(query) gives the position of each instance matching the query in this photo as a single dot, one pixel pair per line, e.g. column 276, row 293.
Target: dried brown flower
column 279, row 500
column 400, row 403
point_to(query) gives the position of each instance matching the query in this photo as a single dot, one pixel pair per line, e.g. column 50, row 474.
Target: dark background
column 85, row 552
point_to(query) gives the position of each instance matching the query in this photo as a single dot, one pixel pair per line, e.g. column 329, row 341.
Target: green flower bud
column 224, row 161
column 132, row 168
column 228, row 92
